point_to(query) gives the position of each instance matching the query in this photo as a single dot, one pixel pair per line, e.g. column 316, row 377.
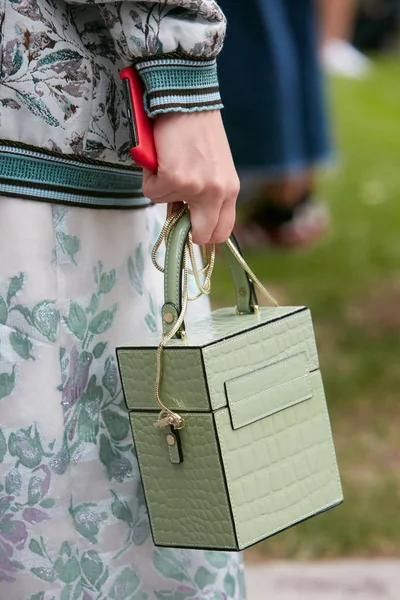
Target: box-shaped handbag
column 252, row 453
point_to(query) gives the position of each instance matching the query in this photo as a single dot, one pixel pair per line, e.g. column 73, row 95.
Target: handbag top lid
column 219, row 348
column 218, row 325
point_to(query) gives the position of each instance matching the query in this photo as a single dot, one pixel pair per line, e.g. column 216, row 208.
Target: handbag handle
column 246, row 299
column 176, row 232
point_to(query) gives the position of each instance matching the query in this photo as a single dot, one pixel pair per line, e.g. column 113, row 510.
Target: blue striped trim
column 185, row 100
column 180, row 85
column 29, row 174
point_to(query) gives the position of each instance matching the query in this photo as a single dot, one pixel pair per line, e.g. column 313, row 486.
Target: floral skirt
column 75, row 283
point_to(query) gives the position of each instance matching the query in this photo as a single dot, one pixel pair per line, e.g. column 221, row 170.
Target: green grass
column 351, row 282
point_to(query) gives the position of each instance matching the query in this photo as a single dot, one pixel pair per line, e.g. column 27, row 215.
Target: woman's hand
column 195, row 166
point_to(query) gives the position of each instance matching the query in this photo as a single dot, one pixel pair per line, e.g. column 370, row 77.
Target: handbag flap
column 265, row 391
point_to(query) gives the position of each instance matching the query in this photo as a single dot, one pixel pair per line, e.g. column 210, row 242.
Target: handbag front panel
column 281, row 469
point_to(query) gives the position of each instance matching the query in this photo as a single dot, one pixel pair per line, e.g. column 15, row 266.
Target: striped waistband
column 27, row 174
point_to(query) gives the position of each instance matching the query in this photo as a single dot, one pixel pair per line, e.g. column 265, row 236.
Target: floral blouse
column 60, row 90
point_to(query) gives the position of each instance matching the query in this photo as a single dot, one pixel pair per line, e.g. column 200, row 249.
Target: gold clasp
column 167, row 418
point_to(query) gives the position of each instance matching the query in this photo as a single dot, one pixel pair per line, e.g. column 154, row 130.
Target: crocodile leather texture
column 187, row 502
column 257, row 447
column 220, row 324
column 261, row 393
column 183, row 384
column 257, row 348
column 281, row 469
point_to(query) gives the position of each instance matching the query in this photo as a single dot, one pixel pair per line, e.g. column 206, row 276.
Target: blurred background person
column 275, row 117
column 339, row 56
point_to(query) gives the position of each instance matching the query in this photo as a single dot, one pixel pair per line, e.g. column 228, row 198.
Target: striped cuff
column 179, row 85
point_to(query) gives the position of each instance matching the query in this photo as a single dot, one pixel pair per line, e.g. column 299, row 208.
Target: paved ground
column 341, row 580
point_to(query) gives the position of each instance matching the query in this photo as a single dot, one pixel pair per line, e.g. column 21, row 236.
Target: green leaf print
column 141, row 533
column 37, row 107
column 204, row 577
column 21, row 344
column 45, row 319
column 48, row 503
column 16, row 62
column 151, row 322
column 3, row 311
column 117, row 425
column 86, row 521
column 68, row 572
column 219, row 560
column 3, row 446
column 13, row 482
column 107, row 454
column 125, row 585
column 66, row 593
column 39, row 596
column 107, row 282
column 88, row 421
column 34, row 490
column 94, row 304
column 168, row 565
column 77, row 595
column 16, row 284
column 27, row 448
column 135, row 270
column 7, row 382
column 229, row 585
column 103, row 579
column 36, row 548
column 65, row 550
column 92, row 566
column 110, row 377
column 59, row 56
column 24, row 311
column 76, row 320
column 70, row 245
column 121, row 510
column 44, row 574
column 103, row 321
column 99, row 349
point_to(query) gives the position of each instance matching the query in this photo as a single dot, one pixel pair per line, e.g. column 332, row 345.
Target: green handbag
column 242, row 447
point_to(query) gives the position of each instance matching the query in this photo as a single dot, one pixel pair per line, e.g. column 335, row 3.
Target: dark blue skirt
column 272, row 86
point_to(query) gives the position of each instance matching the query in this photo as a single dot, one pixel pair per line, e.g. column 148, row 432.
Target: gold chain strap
column 167, row 417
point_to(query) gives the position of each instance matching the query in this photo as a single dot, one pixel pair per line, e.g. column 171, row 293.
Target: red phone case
column 144, row 153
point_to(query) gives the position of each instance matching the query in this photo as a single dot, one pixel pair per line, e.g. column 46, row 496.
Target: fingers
column 203, row 223
column 225, row 223
column 212, row 205
column 195, row 167
column 173, row 186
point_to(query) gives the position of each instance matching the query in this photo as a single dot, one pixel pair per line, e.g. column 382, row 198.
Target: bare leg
column 286, row 192
column 338, row 55
column 284, row 214
column 337, row 19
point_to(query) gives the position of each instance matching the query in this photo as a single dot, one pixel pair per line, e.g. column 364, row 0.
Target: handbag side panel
column 188, row 503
